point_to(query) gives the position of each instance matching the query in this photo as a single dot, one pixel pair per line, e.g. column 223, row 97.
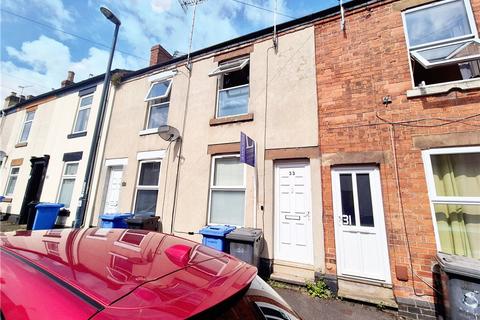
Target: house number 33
column 291, row 173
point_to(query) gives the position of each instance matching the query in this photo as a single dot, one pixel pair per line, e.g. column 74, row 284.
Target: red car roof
column 130, row 271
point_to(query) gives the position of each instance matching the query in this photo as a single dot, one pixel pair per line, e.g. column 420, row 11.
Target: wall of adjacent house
column 355, row 70
column 53, row 121
column 282, row 104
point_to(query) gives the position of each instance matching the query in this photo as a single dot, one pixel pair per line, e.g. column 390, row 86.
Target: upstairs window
column 158, row 99
column 83, row 112
column 233, row 87
column 12, row 181
column 159, row 90
column 27, row 126
column 442, row 41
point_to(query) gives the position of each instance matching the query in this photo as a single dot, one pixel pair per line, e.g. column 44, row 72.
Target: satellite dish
column 168, row 133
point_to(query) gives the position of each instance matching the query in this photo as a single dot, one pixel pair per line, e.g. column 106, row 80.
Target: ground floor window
column 227, row 191
column 12, row 181
column 453, row 177
column 147, row 187
column 67, row 183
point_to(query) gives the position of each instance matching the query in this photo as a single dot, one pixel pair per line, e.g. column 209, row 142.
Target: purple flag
column 247, row 150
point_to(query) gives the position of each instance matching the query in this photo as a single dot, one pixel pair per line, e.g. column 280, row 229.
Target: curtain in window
column 458, row 175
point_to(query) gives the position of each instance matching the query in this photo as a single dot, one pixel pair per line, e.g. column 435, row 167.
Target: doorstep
column 293, row 273
column 363, row 290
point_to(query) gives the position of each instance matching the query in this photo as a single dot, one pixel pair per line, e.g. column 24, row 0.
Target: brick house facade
column 356, row 69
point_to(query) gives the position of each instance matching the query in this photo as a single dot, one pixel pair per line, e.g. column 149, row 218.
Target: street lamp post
column 87, row 182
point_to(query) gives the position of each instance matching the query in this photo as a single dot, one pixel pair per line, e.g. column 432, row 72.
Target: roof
column 60, row 91
column 354, row 4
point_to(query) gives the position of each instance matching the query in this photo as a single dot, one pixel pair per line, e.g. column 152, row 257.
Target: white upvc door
column 113, row 189
column 293, row 218
column 360, row 238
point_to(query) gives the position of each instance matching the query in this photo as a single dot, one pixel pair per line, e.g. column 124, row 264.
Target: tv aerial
column 185, row 4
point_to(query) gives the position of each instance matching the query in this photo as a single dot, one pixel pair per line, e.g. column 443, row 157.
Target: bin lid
column 115, row 216
column 245, row 234
column 49, row 205
column 219, row 231
column 465, row 266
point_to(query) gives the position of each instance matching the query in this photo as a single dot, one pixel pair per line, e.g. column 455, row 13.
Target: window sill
column 148, row 131
column 77, row 135
column 7, row 200
column 21, row 144
column 442, row 88
column 231, row 119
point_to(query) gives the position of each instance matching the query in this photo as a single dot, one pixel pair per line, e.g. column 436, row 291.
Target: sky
column 43, row 39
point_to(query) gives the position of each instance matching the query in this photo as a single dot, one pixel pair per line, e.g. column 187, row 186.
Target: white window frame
column 150, row 106
column 427, row 65
column 10, row 175
column 432, row 192
column 218, row 101
column 212, row 187
column 229, row 66
column 142, row 187
column 167, row 92
column 25, row 121
column 80, row 108
column 69, row 177
column 413, row 50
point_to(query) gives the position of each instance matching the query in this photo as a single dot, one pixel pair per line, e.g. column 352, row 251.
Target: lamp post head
column 109, row 15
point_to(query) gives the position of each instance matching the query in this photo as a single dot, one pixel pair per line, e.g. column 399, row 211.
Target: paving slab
column 310, row 308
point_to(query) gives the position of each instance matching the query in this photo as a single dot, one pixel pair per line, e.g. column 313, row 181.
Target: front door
column 360, row 239
column 293, row 218
column 34, row 189
column 113, row 189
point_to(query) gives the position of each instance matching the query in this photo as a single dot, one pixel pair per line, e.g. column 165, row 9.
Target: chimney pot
column 11, row 100
column 159, row 55
column 69, row 80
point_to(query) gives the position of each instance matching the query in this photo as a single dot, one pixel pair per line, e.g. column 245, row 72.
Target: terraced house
column 195, row 177
column 366, row 127
column 398, row 109
column 44, row 144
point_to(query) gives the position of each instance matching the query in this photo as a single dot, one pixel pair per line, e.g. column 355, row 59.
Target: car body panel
column 134, row 272
column 47, row 299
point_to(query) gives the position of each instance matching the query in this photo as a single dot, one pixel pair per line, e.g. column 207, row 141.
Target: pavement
column 6, row 226
column 309, row 308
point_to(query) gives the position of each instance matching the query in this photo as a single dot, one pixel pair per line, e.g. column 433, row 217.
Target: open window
column 233, row 87
column 443, row 42
column 159, row 90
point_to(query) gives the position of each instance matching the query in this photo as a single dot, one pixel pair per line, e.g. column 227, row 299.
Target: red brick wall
column 355, row 70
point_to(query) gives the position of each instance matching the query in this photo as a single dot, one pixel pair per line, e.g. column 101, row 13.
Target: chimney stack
column 11, row 100
column 159, row 55
column 69, row 80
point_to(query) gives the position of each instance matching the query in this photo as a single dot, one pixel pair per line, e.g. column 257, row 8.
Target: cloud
column 160, row 6
column 42, row 64
column 51, row 11
column 146, row 23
